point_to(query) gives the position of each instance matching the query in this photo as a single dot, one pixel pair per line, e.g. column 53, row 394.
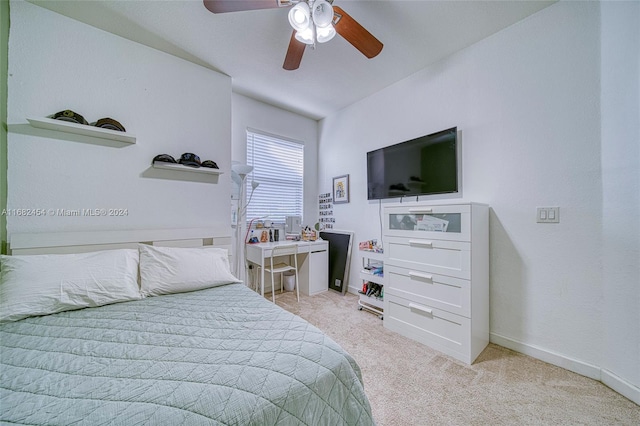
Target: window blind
column 278, row 168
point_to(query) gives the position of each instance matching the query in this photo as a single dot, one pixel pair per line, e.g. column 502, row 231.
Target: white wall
column 170, row 105
column 250, row 113
column 527, row 102
column 620, row 103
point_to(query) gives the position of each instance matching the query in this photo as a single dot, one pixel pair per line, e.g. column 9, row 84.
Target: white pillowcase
column 165, row 270
column 46, row 284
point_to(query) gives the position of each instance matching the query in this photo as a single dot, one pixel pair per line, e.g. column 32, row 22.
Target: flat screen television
column 422, row 166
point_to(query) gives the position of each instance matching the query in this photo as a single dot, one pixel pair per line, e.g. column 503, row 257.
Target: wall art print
column 341, row 189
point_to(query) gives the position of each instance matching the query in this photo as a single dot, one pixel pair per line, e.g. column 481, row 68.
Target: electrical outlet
column 548, row 215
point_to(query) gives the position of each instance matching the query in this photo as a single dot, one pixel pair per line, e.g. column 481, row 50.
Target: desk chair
column 281, row 267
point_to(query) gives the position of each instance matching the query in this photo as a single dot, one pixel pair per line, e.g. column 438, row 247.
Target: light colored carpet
column 410, row 384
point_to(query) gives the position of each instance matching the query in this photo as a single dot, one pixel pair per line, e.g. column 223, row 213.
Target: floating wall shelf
column 81, row 129
column 183, row 168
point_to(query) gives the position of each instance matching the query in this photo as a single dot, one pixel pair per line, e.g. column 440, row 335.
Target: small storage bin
column 289, row 280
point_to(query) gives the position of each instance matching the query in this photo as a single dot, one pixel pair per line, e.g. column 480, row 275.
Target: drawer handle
column 420, row 308
column 421, row 243
column 422, row 210
column 421, row 276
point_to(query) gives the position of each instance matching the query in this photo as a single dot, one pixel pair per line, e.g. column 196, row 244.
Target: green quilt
column 221, row 356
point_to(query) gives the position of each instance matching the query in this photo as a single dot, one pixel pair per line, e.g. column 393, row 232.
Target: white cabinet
column 372, row 276
column 318, row 270
column 436, row 261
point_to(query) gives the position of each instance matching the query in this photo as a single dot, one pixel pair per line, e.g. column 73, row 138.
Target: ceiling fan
column 312, row 21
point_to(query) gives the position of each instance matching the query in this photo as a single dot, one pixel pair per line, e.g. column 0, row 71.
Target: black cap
column 165, row 158
column 109, row 123
column 68, row 115
column 190, row 159
column 210, row 164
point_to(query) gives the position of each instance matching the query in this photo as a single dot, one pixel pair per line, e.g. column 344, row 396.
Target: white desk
column 313, row 263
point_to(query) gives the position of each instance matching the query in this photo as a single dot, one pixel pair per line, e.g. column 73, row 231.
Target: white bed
column 200, row 350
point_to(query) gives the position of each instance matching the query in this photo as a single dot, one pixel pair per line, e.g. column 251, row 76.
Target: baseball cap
column 210, row 164
column 165, row 158
column 109, row 123
column 71, row 116
column 190, row 159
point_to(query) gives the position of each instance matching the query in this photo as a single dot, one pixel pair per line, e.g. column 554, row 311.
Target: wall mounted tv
column 423, row 166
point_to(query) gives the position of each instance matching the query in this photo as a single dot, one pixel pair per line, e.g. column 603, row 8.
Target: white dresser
column 436, row 260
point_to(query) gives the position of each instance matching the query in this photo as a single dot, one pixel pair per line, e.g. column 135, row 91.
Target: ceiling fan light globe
column 325, row 34
column 322, row 13
column 305, row 36
column 300, row 16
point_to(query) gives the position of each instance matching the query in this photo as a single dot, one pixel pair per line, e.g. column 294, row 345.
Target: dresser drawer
column 449, row 222
column 443, row 331
column 446, row 293
column 450, row 258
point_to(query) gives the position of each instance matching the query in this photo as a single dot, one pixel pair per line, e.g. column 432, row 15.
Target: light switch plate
column 548, row 215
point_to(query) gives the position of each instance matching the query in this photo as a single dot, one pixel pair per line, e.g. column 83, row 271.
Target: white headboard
column 82, row 242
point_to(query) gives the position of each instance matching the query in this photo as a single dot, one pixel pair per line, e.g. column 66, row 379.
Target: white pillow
column 165, row 270
column 45, row 284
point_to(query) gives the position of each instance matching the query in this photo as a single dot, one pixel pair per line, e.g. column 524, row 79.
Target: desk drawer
column 450, row 258
column 443, row 331
column 446, row 293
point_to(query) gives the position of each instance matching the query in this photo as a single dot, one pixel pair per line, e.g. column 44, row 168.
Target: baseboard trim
column 621, row 386
column 606, row 377
column 353, row 290
column 545, row 355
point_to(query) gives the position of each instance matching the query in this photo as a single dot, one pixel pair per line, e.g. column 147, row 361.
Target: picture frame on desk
column 341, row 189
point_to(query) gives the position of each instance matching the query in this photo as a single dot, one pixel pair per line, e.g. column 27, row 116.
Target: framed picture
column 341, row 189
column 340, row 243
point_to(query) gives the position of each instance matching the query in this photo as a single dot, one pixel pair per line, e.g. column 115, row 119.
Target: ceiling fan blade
column 356, row 34
column 294, row 54
column 224, row 6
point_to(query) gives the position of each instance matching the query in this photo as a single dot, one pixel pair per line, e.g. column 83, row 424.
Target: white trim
column 606, row 377
column 619, row 385
column 273, row 135
column 353, row 290
column 74, row 242
column 582, row 368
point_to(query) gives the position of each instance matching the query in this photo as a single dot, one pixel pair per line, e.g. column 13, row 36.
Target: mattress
column 220, row 356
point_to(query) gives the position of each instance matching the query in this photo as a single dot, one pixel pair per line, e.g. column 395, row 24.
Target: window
column 278, row 169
